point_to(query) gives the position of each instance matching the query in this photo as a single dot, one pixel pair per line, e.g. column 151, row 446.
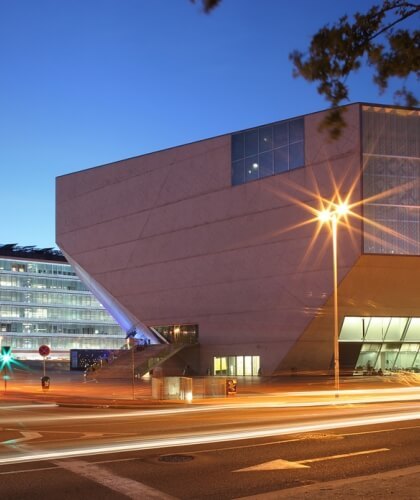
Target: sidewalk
column 70, row 389
column 400, row 484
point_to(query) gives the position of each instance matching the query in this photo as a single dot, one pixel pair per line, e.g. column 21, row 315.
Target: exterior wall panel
column 169, row 237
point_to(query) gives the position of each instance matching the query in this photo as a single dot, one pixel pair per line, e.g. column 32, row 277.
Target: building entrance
column 388, row 344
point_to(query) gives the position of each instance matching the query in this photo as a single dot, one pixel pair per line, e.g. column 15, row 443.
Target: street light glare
column 342, row 209
column 336, row 212
column 324, row 215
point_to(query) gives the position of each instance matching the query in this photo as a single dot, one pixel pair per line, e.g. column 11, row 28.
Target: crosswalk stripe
column 128, row 487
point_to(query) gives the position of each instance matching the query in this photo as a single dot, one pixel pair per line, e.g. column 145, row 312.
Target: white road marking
column 345, row 455
column 280, row 464
column 39, row 469
column 27, row 436
column 273, row 443
column 128, row 487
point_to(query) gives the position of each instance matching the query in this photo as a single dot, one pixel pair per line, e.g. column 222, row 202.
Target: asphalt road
column 103, row 453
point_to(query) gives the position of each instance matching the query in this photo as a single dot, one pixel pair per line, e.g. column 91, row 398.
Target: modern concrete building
column 42, row 301
column 219, row 242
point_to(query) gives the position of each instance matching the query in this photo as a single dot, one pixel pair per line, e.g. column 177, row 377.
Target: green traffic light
column 6, row 358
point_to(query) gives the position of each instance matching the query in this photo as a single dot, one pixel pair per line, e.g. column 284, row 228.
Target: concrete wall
column 174, row 243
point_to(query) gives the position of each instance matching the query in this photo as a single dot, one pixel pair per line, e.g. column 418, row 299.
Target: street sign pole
column 132, row 369
column 44, row 351
column 132, row 344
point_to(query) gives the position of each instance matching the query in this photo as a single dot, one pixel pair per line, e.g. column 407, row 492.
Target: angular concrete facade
column 170, row 240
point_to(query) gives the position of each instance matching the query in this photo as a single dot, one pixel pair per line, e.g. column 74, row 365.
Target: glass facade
column 46, row 303
column 268, row 150
column 391, row 180
column 240, row 366
column 387, row 343
column 178, row 334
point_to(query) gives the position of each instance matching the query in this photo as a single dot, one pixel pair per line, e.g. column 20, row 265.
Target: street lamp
column 332, row 215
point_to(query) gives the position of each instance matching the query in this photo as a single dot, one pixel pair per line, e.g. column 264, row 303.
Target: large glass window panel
column 255, row 365
column 281, row 134
column 265, row 139
column 416, row 365
column 238, row 172
column 281, row 159
column 251, row 142
column 296, row 155
column 223, row 365
column 413, row 330
column 216, row 366
column 266, row 164
column 251, row 168
column 406, row 356
column 247, row 365
column 240, row 366
column 377, row 328
column 388, row 356
column 232, row 365
column 352, row 329
column 238, row 146
column 396, row 329
column 367, row 357
column 296, row 130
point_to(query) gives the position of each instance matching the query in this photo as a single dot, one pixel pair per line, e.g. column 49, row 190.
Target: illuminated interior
column 236, row 365
column 386, row 343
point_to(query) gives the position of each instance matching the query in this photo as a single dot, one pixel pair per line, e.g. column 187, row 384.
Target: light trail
column 28, row 406
column 349, row 392
column 380, row 396
column 207, row 438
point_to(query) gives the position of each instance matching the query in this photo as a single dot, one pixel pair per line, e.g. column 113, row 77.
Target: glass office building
column 42, row 301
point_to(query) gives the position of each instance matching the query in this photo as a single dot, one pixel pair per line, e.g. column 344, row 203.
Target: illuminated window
column 388, row 344
column 248, row 366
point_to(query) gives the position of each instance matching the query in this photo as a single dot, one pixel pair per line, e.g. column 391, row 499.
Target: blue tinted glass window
column 237, row 146
column 281, row 159
column 251, row 142
column 268, row 150
column 266, row 164
column 238, row 172
column 252, row 168
column 296, row 130
column 281, row 135
column 296, row 155
column 266, row 138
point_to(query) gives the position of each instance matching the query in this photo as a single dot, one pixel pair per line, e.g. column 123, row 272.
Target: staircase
column 150, row 357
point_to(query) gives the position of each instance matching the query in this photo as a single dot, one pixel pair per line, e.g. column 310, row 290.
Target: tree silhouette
column 371, row 38
column 337, row 51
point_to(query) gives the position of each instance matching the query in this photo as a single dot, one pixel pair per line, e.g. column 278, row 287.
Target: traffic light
column 6, row 356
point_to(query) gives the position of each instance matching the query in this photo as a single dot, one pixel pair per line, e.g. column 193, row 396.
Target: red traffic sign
column 44, row 350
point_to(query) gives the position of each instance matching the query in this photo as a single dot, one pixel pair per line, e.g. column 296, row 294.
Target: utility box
column 179, row 388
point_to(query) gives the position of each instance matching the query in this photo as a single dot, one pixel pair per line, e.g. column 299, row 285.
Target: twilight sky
column 88, row 82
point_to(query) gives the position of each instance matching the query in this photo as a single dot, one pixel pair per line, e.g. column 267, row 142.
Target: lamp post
column 333, row 215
